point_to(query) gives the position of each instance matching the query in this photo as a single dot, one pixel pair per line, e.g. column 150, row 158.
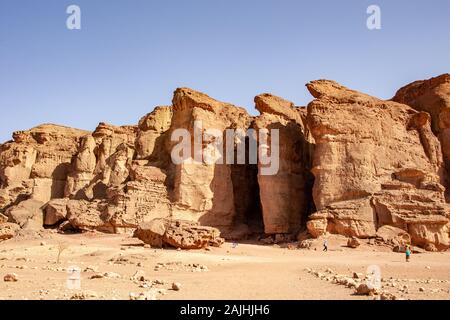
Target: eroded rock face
column 27, row 214
column 89, row 215
column 349, row 164
column 144, row 197
column 118, row 173
column 36, row 163
column 150, row 141
column 102, row 160
column 285, row 196
column 375, row 163
column 202, row 190
column 432, row 96
column 178, row 234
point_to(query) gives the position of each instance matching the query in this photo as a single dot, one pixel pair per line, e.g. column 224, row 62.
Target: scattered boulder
column 393, row 236
column 84, row 295
column 353, row 243
column 88, row 216
column 388, row 296
column 190, row 235
column 152, row 232
column 11, row 277
column 55, row 211
column 364, row 290
column 176, row 286
column 178, row 234
column 152, row 294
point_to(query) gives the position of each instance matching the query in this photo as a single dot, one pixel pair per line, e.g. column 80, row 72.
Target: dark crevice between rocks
column 247, row 198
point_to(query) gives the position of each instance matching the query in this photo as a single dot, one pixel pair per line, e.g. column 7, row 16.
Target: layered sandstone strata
column 204, row 190
column 375, row 163
column 349, row 164
column 178, row 234
column 285, row 196
column 432, row 96
column 33, row 169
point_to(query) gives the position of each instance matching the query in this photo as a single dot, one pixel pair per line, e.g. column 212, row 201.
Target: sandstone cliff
column 432, row 96
column 349, row 164
column 375, row 163
column 286, row 196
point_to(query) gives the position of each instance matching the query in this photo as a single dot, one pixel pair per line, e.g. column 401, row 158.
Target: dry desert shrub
column 61, row 247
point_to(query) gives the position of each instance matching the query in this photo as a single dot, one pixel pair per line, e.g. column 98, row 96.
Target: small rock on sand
column 364, row 290
column 176, row 286
column 112, row 275
column 84, row 295
column 138, row 276
column 11, row 277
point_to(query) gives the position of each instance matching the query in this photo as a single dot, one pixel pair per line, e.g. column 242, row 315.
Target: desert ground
column 119, row 267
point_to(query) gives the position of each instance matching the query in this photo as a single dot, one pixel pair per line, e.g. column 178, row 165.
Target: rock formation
column 349, row 164
column 34, row 168
column 285, row 196
column 432, row 96
column 204, row 191
column 375, row 163
column 178, row 234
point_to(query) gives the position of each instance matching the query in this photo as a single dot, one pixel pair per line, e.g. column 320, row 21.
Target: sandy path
column 245, row 272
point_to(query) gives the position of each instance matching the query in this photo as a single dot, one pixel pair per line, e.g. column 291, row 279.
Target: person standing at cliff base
column 408, row 253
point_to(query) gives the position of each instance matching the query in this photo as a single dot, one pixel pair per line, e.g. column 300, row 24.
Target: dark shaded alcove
column 247, row 197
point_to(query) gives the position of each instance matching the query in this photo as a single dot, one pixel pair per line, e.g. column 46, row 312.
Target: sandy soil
column 243, row 271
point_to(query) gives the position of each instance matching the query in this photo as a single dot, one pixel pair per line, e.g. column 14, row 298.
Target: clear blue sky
column 130, row 55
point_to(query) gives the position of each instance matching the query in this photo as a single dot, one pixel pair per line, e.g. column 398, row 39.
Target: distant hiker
column 408, row 253
column 325, row 245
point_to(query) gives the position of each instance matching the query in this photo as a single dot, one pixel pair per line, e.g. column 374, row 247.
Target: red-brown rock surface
column 178, row 234
column 432, row 96
column 285, row 196
column 375, row 163
column 205, row 191
column 36, row 163
column 349, row 164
